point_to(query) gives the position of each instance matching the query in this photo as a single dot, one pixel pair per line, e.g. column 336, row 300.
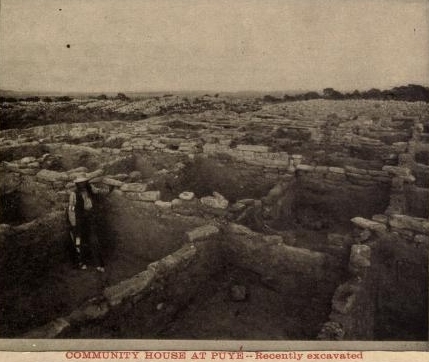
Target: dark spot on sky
column 68, row 45
column 60, row 9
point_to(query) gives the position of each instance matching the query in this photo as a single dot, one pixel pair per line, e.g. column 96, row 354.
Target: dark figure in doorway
column 82, row 217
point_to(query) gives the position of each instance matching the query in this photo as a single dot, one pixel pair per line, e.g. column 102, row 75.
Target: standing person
column 82, row 217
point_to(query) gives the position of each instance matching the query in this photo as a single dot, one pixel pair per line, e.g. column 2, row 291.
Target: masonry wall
column 300, row 275
column 331, row 191
column 399, row 267
column 353, row 304
column 143, row 306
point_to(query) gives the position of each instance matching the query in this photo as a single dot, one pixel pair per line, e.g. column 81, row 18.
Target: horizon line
column 422, row 84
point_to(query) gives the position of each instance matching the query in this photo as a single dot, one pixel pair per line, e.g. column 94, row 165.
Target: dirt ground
column 60, row 292
column 65, row 288
column 265, row 314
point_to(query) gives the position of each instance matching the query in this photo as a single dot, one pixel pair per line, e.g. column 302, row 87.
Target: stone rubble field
column 219, row 203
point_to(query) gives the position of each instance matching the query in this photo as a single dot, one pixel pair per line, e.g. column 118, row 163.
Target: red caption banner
column 212, row 355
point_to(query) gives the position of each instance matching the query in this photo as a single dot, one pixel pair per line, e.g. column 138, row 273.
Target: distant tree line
column 120, row 96
column 36, row 99
column 410, row 93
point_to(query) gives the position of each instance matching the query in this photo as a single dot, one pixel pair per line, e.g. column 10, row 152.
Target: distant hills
column 410, row 92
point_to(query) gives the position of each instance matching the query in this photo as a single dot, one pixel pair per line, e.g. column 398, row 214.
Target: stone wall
column 353, row 304
column 32, row 248
column 331, row 191
column 300, row 275
column 143, row 304
column 251, row 154
column 400, row 245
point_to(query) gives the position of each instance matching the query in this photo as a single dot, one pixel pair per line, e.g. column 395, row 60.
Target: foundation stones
column 337, row 170
column 360, row 259
column 411, row 223
column 302, row 167
column 50, row 330
column 93, row 309
column 187, row 195
column 129, row 287
column 135, row 175
column 344, row 298
column 202, row 232
column 176, row 202
column 253, row 148
column 369, row 224
column 134, row 187
column 402, row 172
column 112, row 182
column 217, row 201
column 164, row 205
column 94, row 174
column 240, row 229
column 51, row 176
column 331, row 331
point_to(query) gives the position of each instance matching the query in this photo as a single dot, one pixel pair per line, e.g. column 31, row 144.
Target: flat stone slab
column 368, row 224
column 52, row 176
column 133, row 187
column 411, row 223
column 186, row 195
column 129, row 287
column 202, row 232
column 302, row 167
column 336, row 170
column 356, row 170
column 253, row 148
column 240, row 229
column 397, row 171
column 112, row 182
column 217, row 201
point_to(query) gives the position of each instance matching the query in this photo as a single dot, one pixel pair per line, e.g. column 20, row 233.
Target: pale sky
column 171, row 45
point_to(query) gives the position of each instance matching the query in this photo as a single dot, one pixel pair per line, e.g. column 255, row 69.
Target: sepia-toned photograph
column 214, row 170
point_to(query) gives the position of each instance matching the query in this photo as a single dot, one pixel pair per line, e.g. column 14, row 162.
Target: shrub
column 122, row 97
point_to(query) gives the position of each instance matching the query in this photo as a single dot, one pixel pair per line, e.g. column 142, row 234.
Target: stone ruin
column 290, row 222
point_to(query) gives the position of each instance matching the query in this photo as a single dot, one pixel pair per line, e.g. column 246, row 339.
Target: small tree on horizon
column 122, row 97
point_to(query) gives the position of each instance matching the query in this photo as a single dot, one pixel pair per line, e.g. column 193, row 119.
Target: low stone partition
column 67, row 130
column 300, row 275
column 411, row 229
column 352, row 175
column 143, row 305
column 15, row 150
column 147, row 301
column 400, row 245
column 353, row 304
column 252, row 154
column 328, row 192
column 151, row 143
column 270, row 256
